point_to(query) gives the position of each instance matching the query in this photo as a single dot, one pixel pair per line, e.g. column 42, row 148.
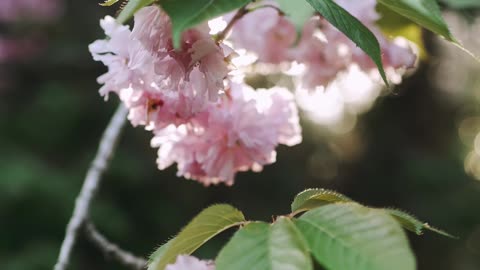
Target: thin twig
column 90, row 185
column 280, row 11
column 240, row 13
column 112, row 250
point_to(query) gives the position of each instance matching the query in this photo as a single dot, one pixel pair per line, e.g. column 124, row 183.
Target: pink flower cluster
column 323, row 49
column 203, row 118
column 265, row 32
column 159, row 84
column 208, row 125
column 238, row 133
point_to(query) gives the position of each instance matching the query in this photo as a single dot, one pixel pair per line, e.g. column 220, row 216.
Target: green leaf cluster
column 332, row 229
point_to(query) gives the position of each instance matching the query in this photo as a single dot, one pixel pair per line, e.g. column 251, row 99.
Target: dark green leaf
column 395, row 25
column 427, row 14
column 188, row 13
column 312, row 198
column 349, row 236
column 266, row 247
column 352, row 28
column 424, row 12
column 202, row 228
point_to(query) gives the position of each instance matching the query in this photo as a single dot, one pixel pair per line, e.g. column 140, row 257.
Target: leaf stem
column 91, row 184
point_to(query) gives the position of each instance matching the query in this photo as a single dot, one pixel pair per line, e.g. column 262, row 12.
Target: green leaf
column 349, row 236
column 412, row 224
column 188, row 13
column 155, row 257
column 108, row 3
column 297, row 11
column 210, row 222
column 266, row 247
column 129, row 10
column 352, row 28
column 424, row 12
column 312, row 198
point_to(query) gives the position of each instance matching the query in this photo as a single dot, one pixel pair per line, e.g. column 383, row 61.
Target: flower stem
column 240, row 13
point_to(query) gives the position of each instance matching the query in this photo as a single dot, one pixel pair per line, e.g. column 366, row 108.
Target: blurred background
column 415, row 147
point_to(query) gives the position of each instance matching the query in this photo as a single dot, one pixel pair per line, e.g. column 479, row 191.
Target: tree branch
column 112, row 250
column 91, row 184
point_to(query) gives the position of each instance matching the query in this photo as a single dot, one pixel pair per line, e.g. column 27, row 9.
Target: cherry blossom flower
column 265, row 32
column 115, row 54
column 185, row 262
column 238, row 133
column 323, row 50
column 348, row 78
column 160, row 85
column 326, row 52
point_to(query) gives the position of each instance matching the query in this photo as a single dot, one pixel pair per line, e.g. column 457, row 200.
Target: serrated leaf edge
column 157, row 260
column 108, row 3
column 419, row 225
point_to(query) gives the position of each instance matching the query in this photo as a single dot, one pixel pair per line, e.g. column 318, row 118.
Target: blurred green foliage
column 407, row 154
